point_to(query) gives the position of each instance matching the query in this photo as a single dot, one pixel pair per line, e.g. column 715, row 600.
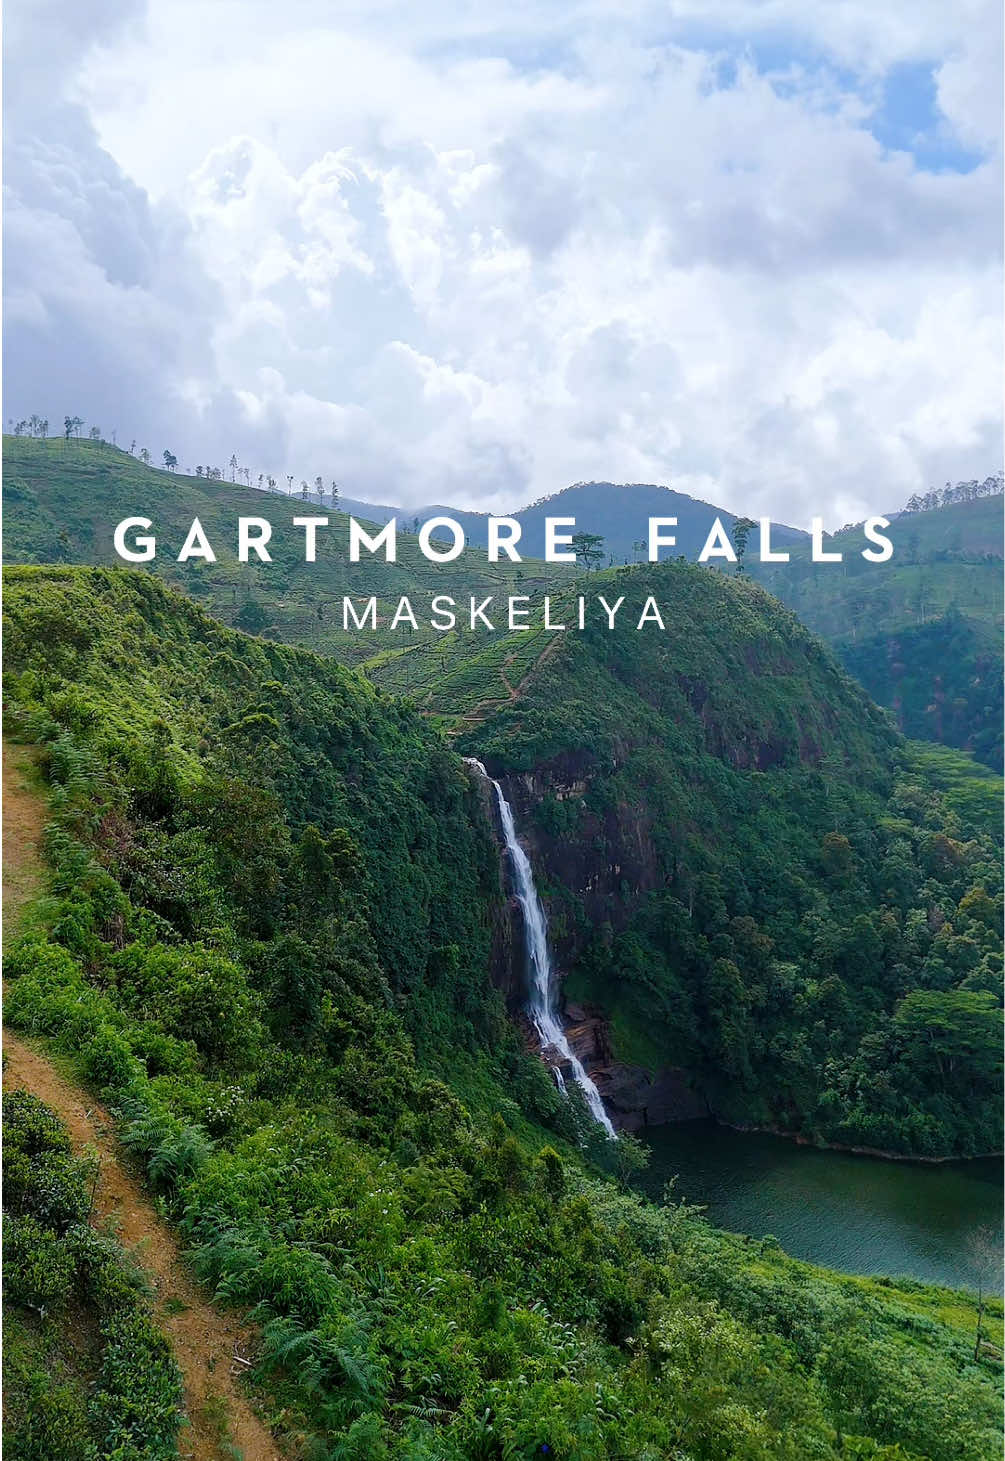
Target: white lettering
column 310, row 526
column 717, row 545
column 369, row 613
column 658, row 540
column 554, row 541
column 387, row 539
column 146, row 547
column 819, row 556
column 513, row 531
column 196, row 545
column 447, row 555
column 246, row 541
column 880, row 539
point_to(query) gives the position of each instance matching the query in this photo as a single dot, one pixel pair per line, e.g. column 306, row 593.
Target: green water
column 859, row 1214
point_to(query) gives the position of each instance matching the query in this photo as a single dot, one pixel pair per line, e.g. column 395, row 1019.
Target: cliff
column 746, row 870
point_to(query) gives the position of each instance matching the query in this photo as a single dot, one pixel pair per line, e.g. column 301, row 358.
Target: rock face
column 634, row 1097
column 508, row 970
column 605, row 886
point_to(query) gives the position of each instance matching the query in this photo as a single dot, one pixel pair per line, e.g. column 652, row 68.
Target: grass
column 63, row 499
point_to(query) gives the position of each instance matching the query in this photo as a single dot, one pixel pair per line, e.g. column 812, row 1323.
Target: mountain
column 273, row 909
column 618, row 512
column 753, row 882
column 922, row 633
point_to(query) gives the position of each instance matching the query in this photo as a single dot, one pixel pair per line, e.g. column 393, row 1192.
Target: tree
column 272, row 483
column 251, row 617
column 958, row 1031
column 319, row 487
column 95, row 433
column 132, row 446
column 984, row 1250
column 170, row 461
column 335, row 493
column 145, row 457
column 588, row 547
column 72, row 425
column 233, row 466
column 289, row 479
column 304, row 489
column 741, row 532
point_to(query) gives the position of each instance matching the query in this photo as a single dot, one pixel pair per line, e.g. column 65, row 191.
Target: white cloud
column 475, row 257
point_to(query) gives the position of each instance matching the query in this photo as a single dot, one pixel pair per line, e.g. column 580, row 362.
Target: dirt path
column 23, row 821
column 205, row 1340
column 485, row 707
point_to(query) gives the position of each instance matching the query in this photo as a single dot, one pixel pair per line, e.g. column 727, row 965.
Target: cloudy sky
column 474, row 252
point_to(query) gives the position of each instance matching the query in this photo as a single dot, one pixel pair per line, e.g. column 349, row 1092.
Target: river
column 859, row 1214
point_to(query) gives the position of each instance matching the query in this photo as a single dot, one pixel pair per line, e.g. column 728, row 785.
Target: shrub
column 136, row 1410
column 38, row 1269
column 29, row 1126
column 108, row 1061
column 193, row 993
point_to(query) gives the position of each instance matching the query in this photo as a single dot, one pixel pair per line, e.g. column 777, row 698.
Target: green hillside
column 950, row 557
column 751, row 876
column 266, row 943
column 62, row 500
column 922, row 633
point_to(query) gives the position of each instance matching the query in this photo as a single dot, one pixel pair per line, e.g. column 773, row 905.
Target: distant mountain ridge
column 618, row 512
column 921, row 632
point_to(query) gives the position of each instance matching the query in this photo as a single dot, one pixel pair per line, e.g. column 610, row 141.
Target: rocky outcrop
column 605, row 885
column 634, row 1097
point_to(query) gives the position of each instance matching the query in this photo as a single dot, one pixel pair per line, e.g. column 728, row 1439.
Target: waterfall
column 541, row 1005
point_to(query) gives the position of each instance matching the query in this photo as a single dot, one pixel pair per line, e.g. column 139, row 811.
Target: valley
column 286, row 939
column 920, row 632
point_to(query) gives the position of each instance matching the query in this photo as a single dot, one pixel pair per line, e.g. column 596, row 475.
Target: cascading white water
column 541, row 1006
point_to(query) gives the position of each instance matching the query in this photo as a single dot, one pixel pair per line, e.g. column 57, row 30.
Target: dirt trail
column 484, row 708
column 205, row 1340
column 23, row 821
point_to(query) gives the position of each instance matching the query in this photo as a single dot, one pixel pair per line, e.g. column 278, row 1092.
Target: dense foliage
column 922, row 633
column 265, row 937
column 86, row 1373
column 753, row 877
column 941, row 679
